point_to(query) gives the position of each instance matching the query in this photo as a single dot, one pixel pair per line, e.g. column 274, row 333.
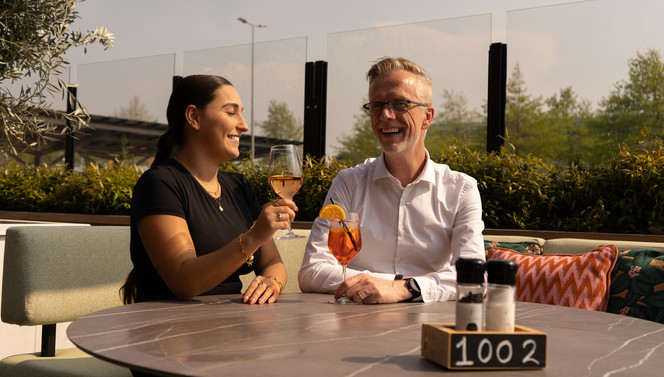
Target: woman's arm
column 169, row 245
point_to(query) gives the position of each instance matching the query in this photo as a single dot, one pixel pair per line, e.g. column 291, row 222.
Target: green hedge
column 104, row 190
column 624, row 196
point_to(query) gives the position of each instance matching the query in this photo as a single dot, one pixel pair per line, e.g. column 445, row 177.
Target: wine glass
column 285, row 177
column 344, row 242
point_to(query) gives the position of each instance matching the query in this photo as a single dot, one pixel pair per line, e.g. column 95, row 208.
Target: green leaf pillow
column 524, row 247
column 637, row 285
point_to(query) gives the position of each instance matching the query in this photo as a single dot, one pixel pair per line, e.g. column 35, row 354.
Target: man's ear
column 191, row 115
column 429, row 118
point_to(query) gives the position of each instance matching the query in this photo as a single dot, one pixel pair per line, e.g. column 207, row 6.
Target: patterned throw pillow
column 524, row 247
column 579, row 281
column 637, row 285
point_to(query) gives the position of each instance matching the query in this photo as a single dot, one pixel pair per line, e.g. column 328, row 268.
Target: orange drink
column 344, row 241
column 340, row 243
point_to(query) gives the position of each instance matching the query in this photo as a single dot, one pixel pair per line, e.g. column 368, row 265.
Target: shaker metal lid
column 502, row 271
column 470, row 270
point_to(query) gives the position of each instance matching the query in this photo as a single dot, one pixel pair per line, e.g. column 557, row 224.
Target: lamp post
column 251, row 120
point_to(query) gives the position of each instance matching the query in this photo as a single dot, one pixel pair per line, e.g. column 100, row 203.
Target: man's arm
column 466, row 242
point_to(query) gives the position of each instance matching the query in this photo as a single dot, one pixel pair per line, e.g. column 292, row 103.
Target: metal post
column 495, row 137
column 251, row 119
column 253, row 142
column 69, row 136
column 315, row 108
column 48, row 340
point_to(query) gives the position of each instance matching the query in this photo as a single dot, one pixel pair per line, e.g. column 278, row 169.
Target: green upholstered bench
column 55, row 274
column 291, row 252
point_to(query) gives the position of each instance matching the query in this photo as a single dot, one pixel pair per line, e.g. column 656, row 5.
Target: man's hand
column 370, row 290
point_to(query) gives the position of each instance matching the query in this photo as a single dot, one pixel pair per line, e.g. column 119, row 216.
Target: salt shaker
column 470, row 294
column 501, row 294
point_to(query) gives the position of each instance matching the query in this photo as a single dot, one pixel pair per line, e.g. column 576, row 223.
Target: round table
column 303, row 335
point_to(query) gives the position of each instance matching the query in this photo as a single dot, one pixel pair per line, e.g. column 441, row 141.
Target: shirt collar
column 428, row 174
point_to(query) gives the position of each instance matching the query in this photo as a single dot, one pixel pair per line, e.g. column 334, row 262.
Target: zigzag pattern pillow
column 579, row 281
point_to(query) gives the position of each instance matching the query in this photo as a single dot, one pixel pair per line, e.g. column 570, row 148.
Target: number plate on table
column 524, row 348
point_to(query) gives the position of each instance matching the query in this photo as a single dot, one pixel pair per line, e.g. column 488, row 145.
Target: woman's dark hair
column 197, row 90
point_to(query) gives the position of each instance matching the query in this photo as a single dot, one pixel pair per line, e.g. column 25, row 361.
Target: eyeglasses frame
column 382, row 106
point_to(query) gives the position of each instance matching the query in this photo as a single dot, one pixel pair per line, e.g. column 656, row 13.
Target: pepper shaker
column 470, row 294
column 501, row 295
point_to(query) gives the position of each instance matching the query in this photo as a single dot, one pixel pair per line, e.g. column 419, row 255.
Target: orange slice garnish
column 332, row 211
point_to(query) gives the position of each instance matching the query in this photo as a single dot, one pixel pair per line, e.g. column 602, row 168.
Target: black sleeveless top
column 169, row 189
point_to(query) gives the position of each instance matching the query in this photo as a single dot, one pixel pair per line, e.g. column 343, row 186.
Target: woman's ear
column 191, row 115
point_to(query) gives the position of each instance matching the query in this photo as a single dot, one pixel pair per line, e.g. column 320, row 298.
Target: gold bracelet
column 281, row 286
column 248, row 259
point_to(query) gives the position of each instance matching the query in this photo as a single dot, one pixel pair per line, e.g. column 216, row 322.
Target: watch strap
column 413, row 288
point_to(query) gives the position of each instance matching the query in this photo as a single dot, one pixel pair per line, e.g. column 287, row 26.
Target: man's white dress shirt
column 418, row 230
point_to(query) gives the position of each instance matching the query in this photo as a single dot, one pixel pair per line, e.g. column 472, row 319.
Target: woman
column 195, row 229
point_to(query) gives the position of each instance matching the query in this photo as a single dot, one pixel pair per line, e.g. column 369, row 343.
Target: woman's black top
column 169, row 189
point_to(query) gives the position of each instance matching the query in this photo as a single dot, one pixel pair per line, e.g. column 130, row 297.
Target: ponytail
column 164, row 149
column 128, row 289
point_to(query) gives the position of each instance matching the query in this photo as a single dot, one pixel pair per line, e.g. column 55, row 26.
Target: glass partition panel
column 127, row 100
column 278, row 68
column 136, row 89
column 565, row 65
column 454, row 52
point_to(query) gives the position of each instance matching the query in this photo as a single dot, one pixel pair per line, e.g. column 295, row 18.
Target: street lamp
column 251, row 120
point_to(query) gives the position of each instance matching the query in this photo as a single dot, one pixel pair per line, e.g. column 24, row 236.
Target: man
column 417, row 217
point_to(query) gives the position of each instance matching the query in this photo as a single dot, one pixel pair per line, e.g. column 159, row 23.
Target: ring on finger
column 274, row 203
column 278, row 216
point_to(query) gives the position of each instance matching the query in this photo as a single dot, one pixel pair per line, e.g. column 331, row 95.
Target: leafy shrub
column 317, row 174
column 513, row 189
column 624, row 196
column 102, row 190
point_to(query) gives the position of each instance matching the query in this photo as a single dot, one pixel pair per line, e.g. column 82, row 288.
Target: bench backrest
column 55, row 274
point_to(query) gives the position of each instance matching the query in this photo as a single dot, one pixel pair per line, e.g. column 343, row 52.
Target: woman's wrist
column 281, row 286
column 248, row 256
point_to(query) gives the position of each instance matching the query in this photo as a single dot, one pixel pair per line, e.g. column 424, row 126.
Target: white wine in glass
column 285, row 176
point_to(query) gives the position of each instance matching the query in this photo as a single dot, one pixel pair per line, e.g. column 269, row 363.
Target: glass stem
column 290, row 229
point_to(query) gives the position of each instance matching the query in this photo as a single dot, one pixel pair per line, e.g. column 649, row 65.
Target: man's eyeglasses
column 397, row 106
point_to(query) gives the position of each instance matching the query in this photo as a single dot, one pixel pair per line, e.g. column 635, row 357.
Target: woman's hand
column 274, row 216
column 261, row 290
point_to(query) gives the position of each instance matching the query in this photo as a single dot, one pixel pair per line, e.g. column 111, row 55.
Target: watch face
column 413, row 286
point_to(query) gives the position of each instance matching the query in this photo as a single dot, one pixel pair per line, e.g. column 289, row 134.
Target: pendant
column 220, row 208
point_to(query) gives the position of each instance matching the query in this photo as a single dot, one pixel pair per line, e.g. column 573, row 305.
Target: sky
column 557, row 43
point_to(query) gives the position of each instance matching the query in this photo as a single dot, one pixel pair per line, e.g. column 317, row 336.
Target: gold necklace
column 215, row 197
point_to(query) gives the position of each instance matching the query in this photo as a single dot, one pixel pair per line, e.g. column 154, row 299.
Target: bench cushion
column 637, row 285
column 57, row 274
column 69, row 362
column 579, row 281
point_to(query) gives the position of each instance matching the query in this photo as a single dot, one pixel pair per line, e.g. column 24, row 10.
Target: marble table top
column 303, row 335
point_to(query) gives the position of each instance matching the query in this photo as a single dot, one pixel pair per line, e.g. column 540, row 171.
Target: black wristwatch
column 413, row 288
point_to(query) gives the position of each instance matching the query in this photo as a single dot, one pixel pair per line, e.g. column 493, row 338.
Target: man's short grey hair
column 388, row 64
